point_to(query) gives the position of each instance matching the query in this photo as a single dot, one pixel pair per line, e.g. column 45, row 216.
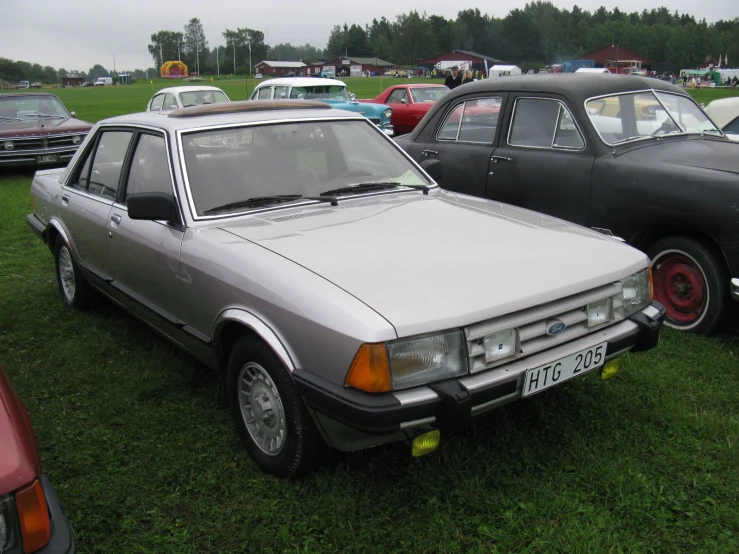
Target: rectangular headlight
column 427, row 358
column 500, row 345
column 599, row 312
column 637, row 292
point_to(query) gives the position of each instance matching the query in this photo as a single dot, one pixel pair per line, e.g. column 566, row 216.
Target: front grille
column 375, row 120
column 531, row 325
column 42, row 143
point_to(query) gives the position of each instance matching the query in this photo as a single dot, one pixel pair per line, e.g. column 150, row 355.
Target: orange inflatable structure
column 174, row 70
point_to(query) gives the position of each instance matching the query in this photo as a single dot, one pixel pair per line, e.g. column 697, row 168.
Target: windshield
column 625, row 117
column 198, row 97
column 31, row 107
column 333, row 92
column 311, row 158
column 428, row 94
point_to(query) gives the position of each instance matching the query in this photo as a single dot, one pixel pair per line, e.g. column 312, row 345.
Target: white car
column 173, row 98
column 725, row 114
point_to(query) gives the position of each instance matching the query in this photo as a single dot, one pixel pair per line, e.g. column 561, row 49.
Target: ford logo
column 555, row 326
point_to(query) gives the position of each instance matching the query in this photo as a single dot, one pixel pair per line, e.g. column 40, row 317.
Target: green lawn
column 145, row 462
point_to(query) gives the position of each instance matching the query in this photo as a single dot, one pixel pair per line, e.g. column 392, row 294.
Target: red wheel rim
column 679, row 284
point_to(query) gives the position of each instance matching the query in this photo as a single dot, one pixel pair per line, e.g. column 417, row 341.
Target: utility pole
column 234, row 58
column 197, row 57
column 249, row 58
column 218, row 65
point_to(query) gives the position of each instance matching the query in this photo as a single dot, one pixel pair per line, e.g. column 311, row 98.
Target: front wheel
column 268, row 412
column 692, row 282
column 76, row 293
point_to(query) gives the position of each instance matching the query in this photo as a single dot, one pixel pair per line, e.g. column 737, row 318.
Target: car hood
column 355, row 106
column 42, row 127
column 702, row 153
column 19, row 454
column 443, row 260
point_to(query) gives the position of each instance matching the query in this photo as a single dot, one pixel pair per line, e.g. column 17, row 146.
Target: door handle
column 115, row 218
column 65, row 198
column 427, row 152
column 496, row 159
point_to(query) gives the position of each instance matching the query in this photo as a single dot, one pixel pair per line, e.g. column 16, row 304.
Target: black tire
column 75, row 290
column 691, row 280
column 300, row 446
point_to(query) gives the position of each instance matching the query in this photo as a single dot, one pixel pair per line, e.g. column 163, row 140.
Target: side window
column 170, row 103
column 280, row 92
column 149, row 167
column 108, row 162
column 265, row 93
column 543, row 123
column 397, row 95
column 472, row 121
column 81, row 181
column 156, row 103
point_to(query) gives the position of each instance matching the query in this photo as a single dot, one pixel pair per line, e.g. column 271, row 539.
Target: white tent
column 503, row 70
column 592, row 70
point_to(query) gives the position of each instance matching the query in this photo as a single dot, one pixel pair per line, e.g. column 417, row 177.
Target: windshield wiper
column 44, row 115
column 367, row 187
column 6, row 118
column 255, row 201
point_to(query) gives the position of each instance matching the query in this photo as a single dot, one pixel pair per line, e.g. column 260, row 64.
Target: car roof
column 247, row 111
column 303, row 82
column 26, row 94
column 578, row 87
column 186, row 88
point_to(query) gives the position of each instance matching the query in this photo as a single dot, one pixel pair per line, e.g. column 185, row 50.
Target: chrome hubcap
column 261, row 409
column 66, row 273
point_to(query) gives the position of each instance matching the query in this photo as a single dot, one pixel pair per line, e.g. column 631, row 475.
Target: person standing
column 454, row 79
column 467, row 77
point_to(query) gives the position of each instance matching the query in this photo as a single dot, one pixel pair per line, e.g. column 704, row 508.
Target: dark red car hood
column 42, row 127
column 20, row 461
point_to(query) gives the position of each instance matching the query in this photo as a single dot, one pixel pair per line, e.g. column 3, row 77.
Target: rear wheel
column 76, row 292
column 269, row 413
column 692, row 282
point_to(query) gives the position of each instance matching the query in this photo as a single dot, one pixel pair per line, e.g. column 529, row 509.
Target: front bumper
column 22, row 158
column 345, row 411
column 388, row 130
column 735, row 289
column 62, row 540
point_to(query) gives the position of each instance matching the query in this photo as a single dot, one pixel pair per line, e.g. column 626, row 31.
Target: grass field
column 144, row 461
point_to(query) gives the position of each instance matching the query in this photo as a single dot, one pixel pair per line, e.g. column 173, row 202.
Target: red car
column 409, row 103
column 31, row 517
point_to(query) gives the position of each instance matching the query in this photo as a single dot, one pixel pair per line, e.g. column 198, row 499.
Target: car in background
column 37, row 130
column 631, row 156
column 103, row 81
column 326, row 74
column 31, row 516
column 330, row 91
column 337, row 292
column 174, row 98
column 409, row 103
column 725, row 113
column 258, row 76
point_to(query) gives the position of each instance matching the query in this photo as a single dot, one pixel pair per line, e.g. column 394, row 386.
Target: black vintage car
column 629, row 156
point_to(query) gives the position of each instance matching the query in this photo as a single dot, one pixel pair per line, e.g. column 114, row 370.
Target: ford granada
column 341, row 296
column 631, row 156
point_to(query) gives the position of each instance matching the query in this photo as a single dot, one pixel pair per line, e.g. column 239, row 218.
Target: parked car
column 326, row 74
column 338, row 293
column 103, row 81
column 725, row 113
column 28, row 84
column 173, row 98
column 630, row 156
column 31, row 516
column 409, row 103
column 258, row 76
column 37, row 130
column 330, row 91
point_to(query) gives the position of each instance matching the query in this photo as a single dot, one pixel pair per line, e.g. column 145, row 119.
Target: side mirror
column 433, row 168
column 403, row 101
column 352, row 97
column 301, row 96
column 152, row 206
column 73, row 114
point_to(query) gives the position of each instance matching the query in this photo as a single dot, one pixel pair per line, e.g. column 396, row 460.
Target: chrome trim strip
column 417, row 422
column 414, row 396
column 552, row 147
column 735, row 288
column 259, row 327
column 518, row 368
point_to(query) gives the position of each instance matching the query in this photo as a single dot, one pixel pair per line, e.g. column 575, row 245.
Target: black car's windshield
column 635, row 116
column 227, row 168
column 25, row 107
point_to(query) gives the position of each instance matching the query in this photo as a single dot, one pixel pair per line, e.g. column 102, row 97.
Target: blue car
column 330, row 91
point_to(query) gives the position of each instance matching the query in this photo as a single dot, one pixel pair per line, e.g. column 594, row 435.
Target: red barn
column 618, row 59
column 464, row 59
column 280, row 68
column 351, row 66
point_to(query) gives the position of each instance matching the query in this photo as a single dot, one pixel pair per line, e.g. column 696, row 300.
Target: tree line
column 540, row 34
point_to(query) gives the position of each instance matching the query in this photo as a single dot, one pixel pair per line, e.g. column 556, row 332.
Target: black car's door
column 464, row 141
column 543, row 161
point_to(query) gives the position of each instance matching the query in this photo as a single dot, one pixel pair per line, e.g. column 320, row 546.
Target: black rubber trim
column 62, row 539
column 148, row 305
column 37, row 226
column 205, row 339
column 649, row 328
column 96, row 273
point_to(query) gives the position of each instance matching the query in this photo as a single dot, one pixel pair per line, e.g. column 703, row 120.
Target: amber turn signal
column 370, row 370
column 34, row 517
column 651, row 284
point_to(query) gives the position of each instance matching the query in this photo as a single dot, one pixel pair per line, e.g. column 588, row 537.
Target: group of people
column 454, row 78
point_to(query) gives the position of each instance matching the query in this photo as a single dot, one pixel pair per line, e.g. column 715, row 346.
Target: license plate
column 48, row 158
column 549, row 375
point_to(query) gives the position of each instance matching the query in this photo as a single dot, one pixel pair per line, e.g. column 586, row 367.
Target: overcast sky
column 76, row 34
